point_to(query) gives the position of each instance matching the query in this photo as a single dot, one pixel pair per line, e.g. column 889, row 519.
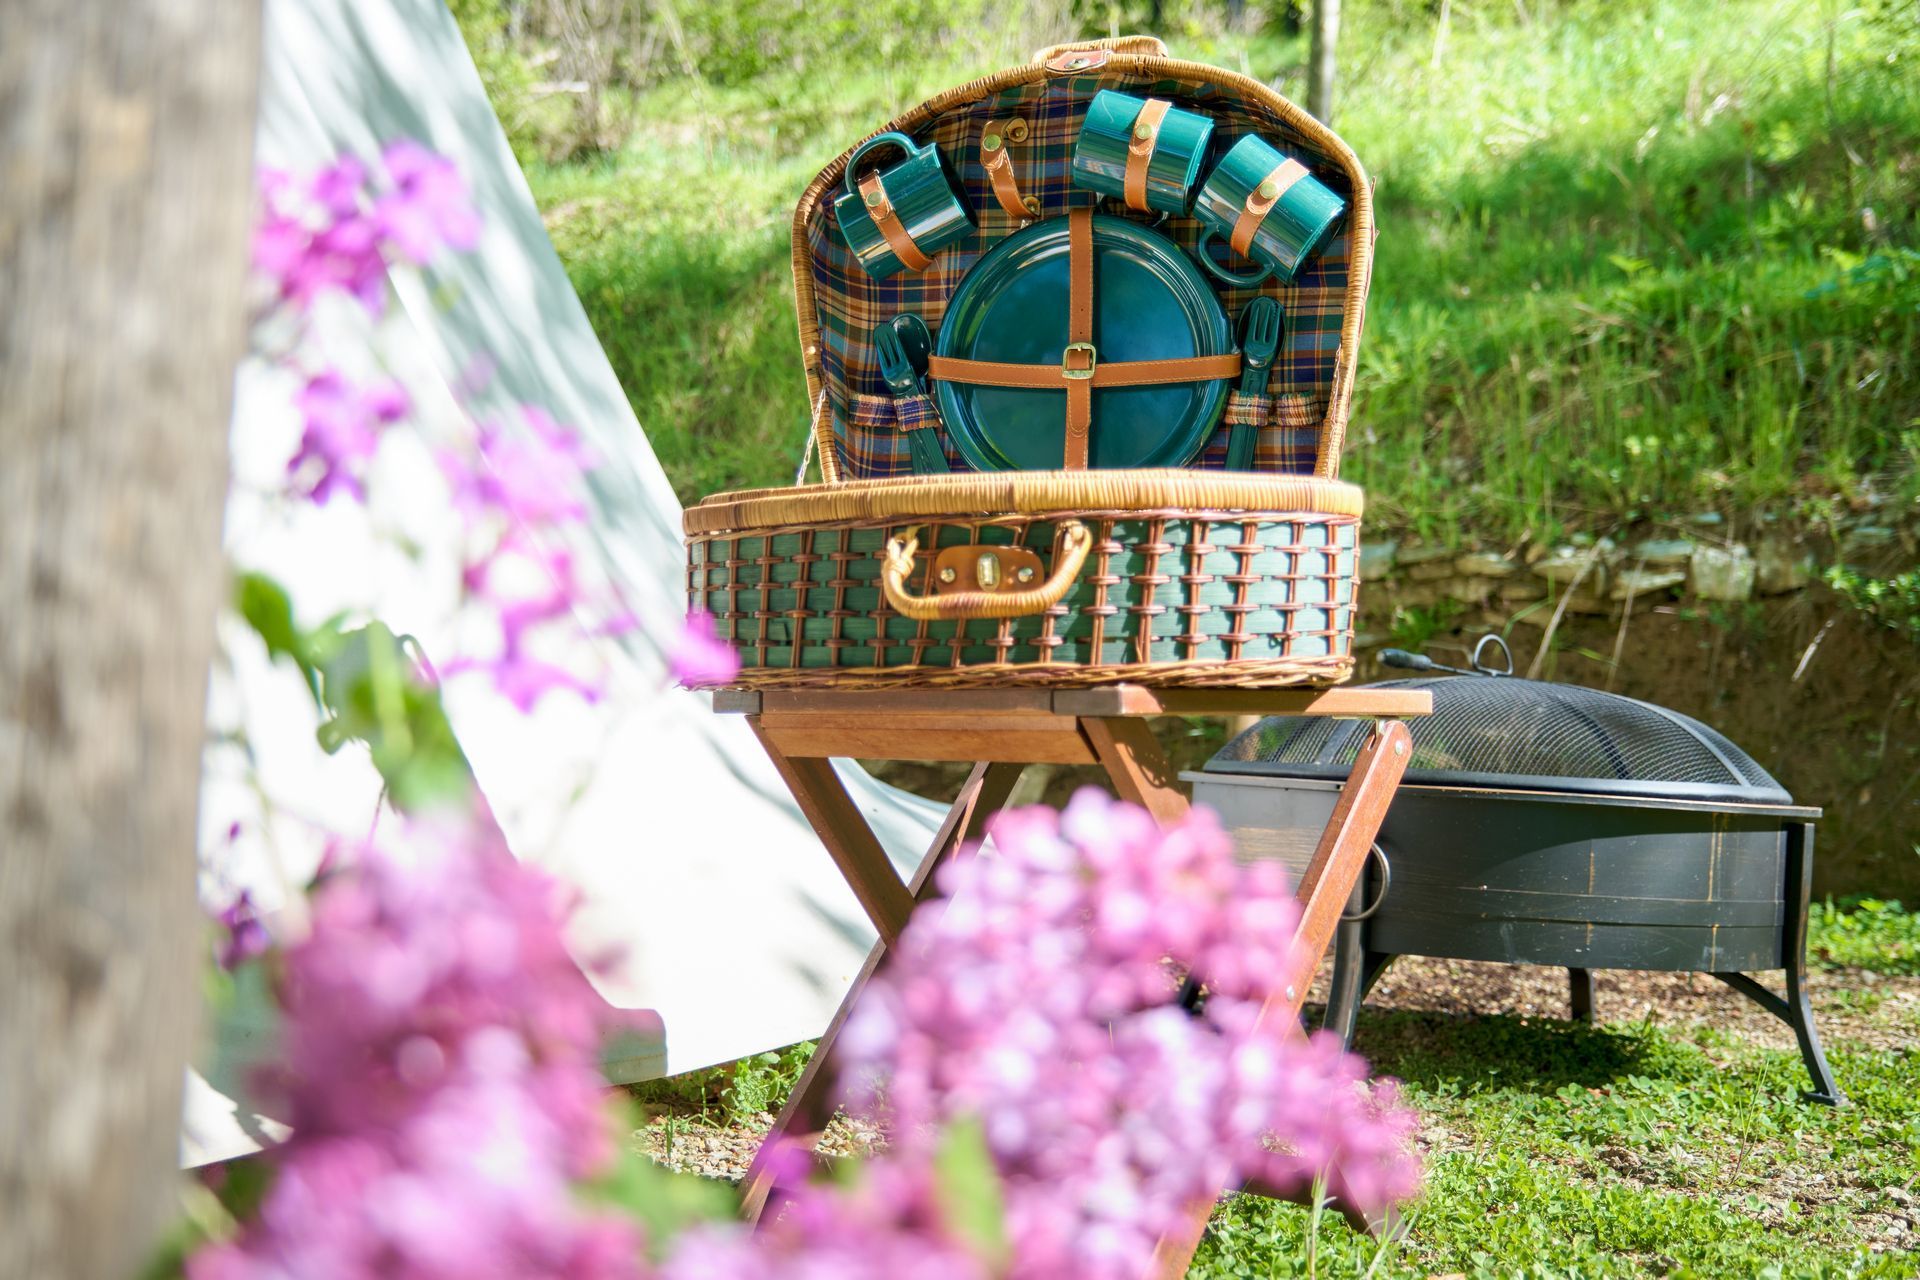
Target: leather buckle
column 1068, row 371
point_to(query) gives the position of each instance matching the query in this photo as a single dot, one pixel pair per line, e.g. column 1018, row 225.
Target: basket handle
column 1147, row 46
column 960, row 606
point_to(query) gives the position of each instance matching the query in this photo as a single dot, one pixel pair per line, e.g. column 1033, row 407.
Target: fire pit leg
column 1799, row 894
column 1796, row 1011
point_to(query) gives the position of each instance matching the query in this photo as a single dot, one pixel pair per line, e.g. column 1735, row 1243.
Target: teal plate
column 1150, row 303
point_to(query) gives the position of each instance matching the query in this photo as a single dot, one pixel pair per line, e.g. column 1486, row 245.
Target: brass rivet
column 1074, row 64
column 1142, row 130
column 1025, row 574
column 1033, row 205
column 991, row 142
column 874, row 198
column 1016, row 131
column 1399, row 747
column 1269, row 189
column 986, row 571
column 949, row 574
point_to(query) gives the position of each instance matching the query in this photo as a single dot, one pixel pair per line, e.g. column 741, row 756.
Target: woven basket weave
column 1170, row 578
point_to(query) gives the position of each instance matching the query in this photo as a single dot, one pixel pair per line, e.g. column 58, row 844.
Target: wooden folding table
column 1001, row 731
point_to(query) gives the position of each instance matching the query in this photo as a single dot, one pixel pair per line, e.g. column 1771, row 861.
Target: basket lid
column 854, row 420
column 1150, row 303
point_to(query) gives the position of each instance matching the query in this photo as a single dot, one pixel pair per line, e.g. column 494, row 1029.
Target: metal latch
column 978, row 568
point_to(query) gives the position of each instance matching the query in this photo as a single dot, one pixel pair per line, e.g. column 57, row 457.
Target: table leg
column 849, row 840
column 1132, row 757
column 811, row 1104
column 1325, row 888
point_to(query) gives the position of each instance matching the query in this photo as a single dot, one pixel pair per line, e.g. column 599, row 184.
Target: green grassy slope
column 1636, row 259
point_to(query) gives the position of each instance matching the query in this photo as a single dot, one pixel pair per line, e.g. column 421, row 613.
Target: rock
column 1413, row 595
column 1568, row 565
column 1376, row 559
column 1722, row 573
column 1484, row 564
column 1410, row 556
column 1660, row 553
column 1635, row 583
column 1582, row 602
column 1865, row 539
column 1521, row 590
column 1585, row 602
column 1431, row 571
column 1781, row 566
column 1469, row 590
column 1706, row 518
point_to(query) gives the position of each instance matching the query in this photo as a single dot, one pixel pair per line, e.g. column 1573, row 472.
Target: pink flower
column 429, row 208
column 517, row 673
column 243, row 937
column 1041, row 997
column 343, row 425
column 698, row 657
column 438, row 1071
column 530, row 477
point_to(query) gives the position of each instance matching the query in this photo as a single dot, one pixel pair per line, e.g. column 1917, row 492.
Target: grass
column 1866, row 932
column 1617, row 1151
column 1623, row 1149
column 1637, row 260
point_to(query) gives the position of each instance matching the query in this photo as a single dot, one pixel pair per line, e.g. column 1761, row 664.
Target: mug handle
column 1219, row 272
column 889, row 138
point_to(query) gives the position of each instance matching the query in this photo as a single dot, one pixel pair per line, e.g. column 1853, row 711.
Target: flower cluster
column 332, row 232
column 439, row 1072
column 890, row 1225
column 518, row 485
column 1038, row 998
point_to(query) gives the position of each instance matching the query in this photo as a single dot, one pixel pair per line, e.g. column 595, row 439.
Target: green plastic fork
column 1260, row 327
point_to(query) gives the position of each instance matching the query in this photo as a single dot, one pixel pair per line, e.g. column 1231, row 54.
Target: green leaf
column 665, row 1202
column 267, row 608
column 967, row 1188
column 373, row 694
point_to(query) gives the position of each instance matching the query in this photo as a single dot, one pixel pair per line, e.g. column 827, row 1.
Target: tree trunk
column 126, row 140
column 1320, row 61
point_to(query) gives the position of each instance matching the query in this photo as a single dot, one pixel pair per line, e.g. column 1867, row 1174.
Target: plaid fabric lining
column 870, row 440
column 1289, row 437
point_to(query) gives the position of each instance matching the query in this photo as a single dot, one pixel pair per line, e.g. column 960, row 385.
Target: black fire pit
column 1546, row 824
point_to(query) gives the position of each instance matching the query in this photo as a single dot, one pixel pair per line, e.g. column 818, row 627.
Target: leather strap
column 1079, row 331
column 1146, row 136
column 1257, row 207
column 1085, row 360
column 888, row 224
column 1120, row 373
column 998, row 162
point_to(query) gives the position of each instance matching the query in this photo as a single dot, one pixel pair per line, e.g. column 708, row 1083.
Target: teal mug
column 1144, row 151
column 897, row 219
column 1268, row 208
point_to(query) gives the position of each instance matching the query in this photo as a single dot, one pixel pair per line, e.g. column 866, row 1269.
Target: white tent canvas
column 690, row 856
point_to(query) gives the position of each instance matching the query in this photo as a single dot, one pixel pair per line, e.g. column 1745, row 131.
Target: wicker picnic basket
column 880, row 577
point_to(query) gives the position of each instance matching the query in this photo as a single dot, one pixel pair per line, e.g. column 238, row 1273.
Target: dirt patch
column 715, row 1148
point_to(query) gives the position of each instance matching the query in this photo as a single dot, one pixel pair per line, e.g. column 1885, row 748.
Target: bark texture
column 126, row 139
column 1320, row 59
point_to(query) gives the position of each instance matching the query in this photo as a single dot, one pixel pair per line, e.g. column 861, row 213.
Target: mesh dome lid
column 1511, row 733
